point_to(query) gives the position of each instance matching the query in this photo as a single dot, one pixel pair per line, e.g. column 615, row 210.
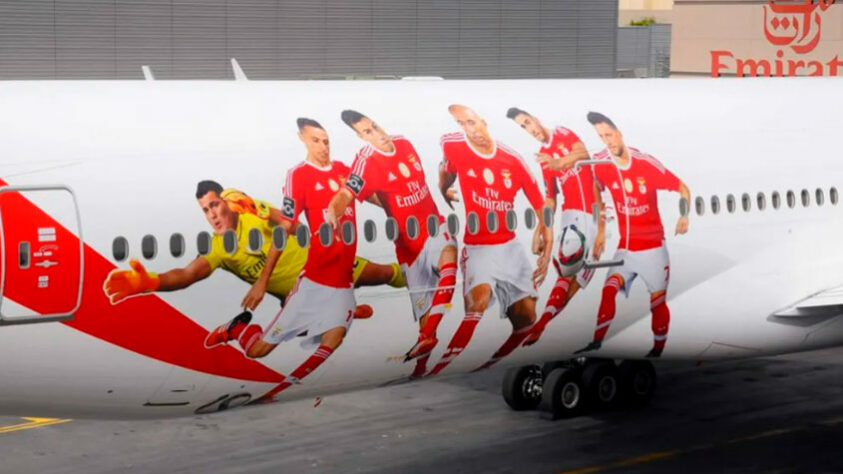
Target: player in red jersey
column 560, row 150
column 327, row 274
column 633, row 179
column 494, row 263
column 390, row 168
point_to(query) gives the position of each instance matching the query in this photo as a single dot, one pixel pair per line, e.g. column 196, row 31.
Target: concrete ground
column 782, row 414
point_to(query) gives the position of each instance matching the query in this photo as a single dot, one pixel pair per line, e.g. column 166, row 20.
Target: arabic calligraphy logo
column 794, row 24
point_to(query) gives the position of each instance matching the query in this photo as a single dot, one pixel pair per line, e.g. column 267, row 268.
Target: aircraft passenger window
column 547, row 216
column 177, row 245
column 120, row 248
column 391, row 229
column 820, row 195
column 761, row 201
column 511, row 220
column 229, row 242
column 303, row 236
column 492, row 221
column 279, row 238
column 684, row 210
column 715, row 205
column 472, row 224
column 326, row 234
column 203, row 243
column 453, row 225
column 432, row 225
column 832, row 196
column 23, row 255
column 370, row 230
column 699, row 202
column 791, row 199
column 530, row 218
column 777, row 200
column 806, row 198
column 149, row 247
column 255, row 240
column 746, row 202
column 348, row 233
column 730, row 203
column 412, row 228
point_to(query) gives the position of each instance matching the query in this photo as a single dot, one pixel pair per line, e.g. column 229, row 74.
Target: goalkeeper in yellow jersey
column 233, row 210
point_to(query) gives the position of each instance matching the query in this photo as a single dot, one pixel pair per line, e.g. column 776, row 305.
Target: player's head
column 473, row 125
column 530, row 124
column 608, row 132
column 315, row 139
column 368, row 130
column 214, row 207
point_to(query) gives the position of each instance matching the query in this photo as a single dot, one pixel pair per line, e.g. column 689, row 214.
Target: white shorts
column 311, row 309
column 653, row 265
column 505, row 267
column 423, row 274
column 584, row 222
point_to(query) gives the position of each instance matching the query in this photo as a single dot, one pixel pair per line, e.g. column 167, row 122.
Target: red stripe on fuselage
column 146, row 324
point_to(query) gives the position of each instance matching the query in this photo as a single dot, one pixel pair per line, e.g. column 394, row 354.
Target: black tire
column 522, row 387
column 638, row 382
column 562, row 394
column 548, row 367
column 602, row 384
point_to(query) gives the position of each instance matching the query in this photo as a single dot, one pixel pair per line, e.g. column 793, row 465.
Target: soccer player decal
column 494, row 263
column 389, row 168
column 560, row 150
column 633, row 178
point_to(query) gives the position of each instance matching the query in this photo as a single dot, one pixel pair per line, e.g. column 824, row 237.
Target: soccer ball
column 572, row 251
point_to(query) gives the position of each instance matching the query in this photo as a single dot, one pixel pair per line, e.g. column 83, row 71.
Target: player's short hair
column 596, row 117
column 515, row 112
column 302, row 122
column 206, row 186
column 351, row 117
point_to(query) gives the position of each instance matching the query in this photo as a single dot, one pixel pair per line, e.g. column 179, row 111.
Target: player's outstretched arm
column 545, row 233
column 600, row 239
column 122, row 284
column 339, row 203
column 258, row 290
column 683, row 222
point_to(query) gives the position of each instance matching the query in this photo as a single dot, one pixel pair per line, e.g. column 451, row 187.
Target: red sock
column 441, row 298
column 459, row 341
column 235, row 331
column 302, row 371
column 421, row 366
column 515, row 339
column 248, row 335
column 661, row 321
column 607, row 307
column 555, row 302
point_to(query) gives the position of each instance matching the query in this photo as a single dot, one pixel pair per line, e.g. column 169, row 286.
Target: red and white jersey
column 398, row 180
column 634, row 189
column 309, row 189
column 577, row 183
column 489, row 183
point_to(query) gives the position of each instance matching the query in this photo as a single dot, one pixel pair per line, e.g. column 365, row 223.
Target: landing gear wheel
column 563, row 395
column 522, row 387
column 637, row 382
column 602, row 384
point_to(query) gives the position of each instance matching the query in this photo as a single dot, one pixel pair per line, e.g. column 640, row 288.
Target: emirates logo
column 795, row 24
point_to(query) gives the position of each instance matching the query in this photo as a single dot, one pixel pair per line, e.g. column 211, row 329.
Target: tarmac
column 777, row 414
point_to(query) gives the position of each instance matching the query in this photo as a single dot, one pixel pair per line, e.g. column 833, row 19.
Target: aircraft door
column 41, row 263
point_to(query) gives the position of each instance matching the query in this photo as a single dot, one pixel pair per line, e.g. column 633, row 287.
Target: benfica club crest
column 507, row 178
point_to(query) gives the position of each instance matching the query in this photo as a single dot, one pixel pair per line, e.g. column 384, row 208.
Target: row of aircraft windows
column 790, row 199
column 149, row 245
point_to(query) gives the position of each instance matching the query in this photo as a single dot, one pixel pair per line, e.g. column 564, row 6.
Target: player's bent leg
column 660, row 322
column 330, row 341
column 522, row 315
column 373, row 274
column 229, row 331
column 260, row 348
column 563, row 291
column 606, row 312
column 477, row 300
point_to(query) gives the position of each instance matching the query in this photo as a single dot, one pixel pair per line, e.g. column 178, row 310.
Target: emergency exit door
column 42, row 254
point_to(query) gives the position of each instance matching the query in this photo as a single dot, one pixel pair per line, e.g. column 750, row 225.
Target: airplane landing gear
column 568, row 389
column 522, row 387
